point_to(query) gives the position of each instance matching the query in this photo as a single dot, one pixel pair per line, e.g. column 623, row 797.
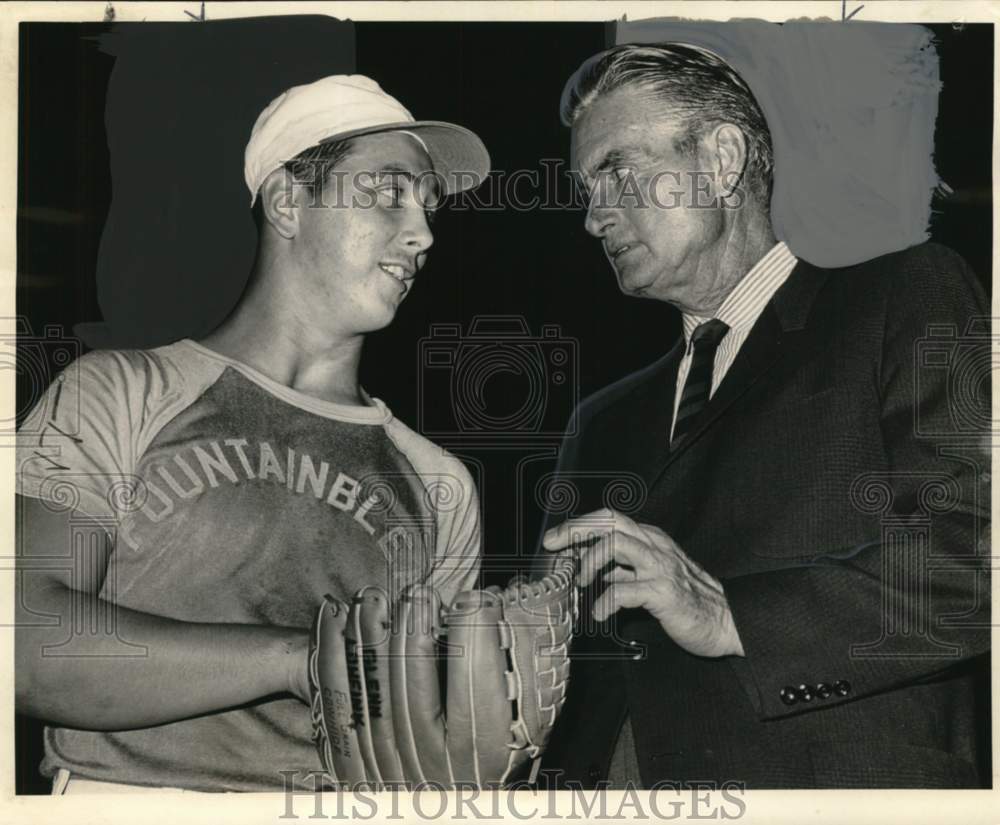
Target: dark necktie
column 704, row 342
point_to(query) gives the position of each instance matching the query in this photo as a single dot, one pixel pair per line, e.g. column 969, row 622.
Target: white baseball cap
column 347, row 105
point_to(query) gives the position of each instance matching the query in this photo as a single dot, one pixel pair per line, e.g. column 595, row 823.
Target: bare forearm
column 168, row 670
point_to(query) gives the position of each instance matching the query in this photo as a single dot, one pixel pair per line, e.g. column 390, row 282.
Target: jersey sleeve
column 456, row 566
column 76, row 449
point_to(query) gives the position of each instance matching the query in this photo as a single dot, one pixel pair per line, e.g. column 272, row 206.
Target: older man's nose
column 600, row 218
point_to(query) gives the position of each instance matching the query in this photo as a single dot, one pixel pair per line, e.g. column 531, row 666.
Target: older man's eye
column 621, row 173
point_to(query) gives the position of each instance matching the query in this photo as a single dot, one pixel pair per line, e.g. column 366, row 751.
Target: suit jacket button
column 824, row 691
column 594, row 773
column 805, row 693
column 789, row 695
column 842, row 687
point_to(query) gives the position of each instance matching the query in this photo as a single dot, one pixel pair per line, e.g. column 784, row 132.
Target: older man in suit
column 802, row 597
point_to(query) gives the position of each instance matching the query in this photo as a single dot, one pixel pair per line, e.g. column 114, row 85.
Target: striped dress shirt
column 739, row 311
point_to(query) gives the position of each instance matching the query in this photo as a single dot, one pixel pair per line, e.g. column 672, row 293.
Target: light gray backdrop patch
column 851, row 107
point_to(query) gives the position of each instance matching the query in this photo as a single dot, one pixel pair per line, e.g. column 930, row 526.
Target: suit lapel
column 643, row 435
column 784, row 315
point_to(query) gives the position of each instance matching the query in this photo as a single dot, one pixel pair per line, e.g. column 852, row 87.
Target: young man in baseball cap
column 235, row 480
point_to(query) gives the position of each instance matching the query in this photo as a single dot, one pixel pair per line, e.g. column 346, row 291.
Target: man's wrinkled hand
column 652, row 572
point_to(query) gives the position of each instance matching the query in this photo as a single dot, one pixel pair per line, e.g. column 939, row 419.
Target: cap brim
column 460, row 158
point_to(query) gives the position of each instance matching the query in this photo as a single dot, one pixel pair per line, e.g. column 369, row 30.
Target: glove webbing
column 555, row 616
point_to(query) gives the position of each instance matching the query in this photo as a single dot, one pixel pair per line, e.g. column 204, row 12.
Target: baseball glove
column 379, row 717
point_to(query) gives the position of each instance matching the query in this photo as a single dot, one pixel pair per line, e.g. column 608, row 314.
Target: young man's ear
column 277, row 202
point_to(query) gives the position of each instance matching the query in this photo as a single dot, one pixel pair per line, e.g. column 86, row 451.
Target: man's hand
column 651, row 572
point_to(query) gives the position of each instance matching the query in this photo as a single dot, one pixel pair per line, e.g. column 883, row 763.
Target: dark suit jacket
column 837, row 484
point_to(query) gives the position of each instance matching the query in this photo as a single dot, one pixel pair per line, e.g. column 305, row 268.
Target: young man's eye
column 621, row 173
column 394, row 195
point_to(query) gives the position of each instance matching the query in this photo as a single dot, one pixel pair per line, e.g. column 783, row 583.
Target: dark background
column 503, row 81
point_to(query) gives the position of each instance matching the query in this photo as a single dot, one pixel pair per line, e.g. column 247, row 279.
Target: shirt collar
column 743, row 305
